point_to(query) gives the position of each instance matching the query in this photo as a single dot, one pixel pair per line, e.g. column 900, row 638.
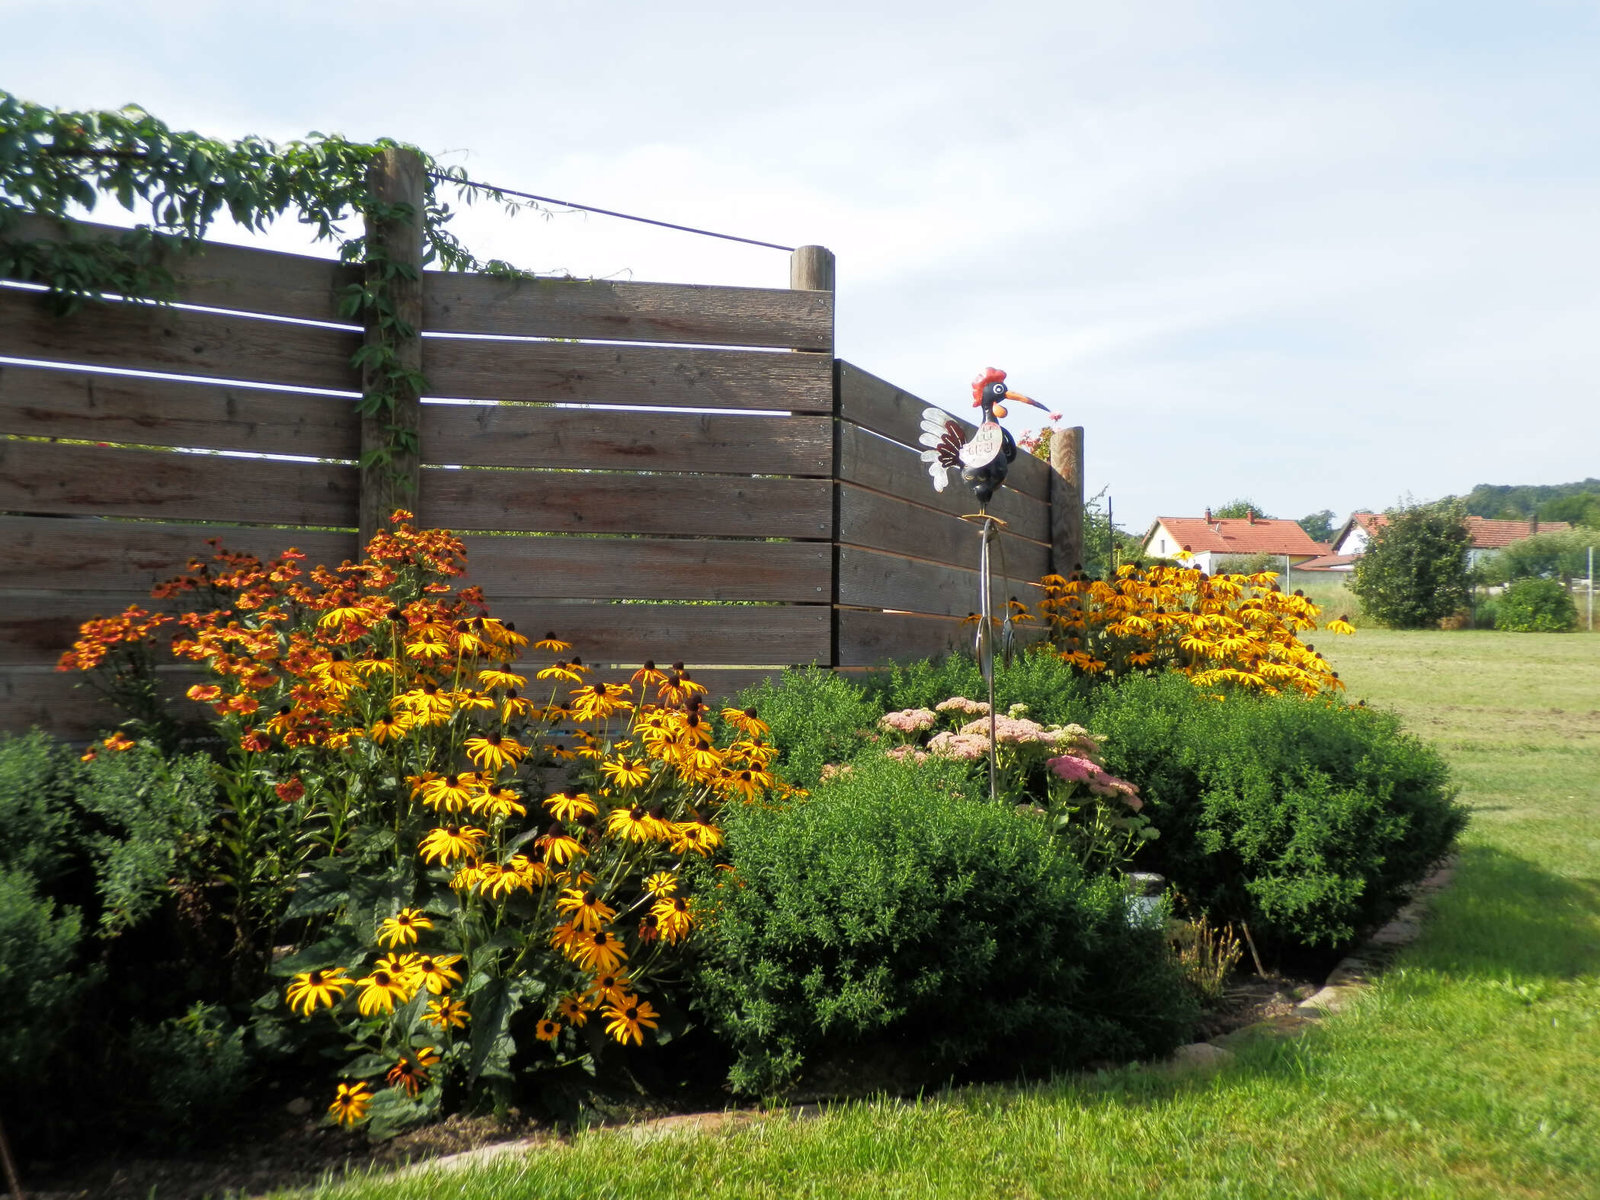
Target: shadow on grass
column 1509, row 914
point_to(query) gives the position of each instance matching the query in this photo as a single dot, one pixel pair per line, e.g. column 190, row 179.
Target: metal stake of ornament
column 984, row 647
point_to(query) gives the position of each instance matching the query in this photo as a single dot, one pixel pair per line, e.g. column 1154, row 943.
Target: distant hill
column 1548, row 501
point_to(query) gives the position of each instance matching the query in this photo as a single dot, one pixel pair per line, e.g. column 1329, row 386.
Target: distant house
column 1209, row 539
column 1488, row 537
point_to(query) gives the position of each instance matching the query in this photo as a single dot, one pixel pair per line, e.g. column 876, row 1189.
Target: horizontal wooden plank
column 893, row 412
column 454, row 302
column 531, row 435
column 721, row 683
column 871, row 579
column 612, row 502
column 37, row 627
column 120, row 556
column 147, row 337
column 871, row 638
column 710, row 633
column 881, row 522
column 45, row 402
column 64, row 704
column 55, row 478
column 648, row 568
column 883, row 466
column 668, row 376
column 242, row 278
column 62, row 552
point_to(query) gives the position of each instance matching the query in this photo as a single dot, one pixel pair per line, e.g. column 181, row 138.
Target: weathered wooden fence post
column 811, row 270
column 1066, row 500
column 391, row 470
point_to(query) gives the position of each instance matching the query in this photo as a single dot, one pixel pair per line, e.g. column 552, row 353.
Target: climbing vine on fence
column 52, row 160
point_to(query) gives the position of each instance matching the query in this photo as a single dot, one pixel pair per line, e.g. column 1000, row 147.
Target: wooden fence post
column 811, row 270
column 393, row 481
column 1066, row 500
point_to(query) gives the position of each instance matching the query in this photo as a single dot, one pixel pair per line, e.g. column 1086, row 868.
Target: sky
column 1321, row 255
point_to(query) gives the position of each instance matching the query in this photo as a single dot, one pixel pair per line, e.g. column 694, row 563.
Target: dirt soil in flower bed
column 284, row 1150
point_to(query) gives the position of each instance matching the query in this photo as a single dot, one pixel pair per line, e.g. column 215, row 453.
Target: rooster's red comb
column 990, row 375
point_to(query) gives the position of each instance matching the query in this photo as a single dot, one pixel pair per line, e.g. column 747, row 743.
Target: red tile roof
column 1496, row 535
column 1240, row 535
column 1486, row 534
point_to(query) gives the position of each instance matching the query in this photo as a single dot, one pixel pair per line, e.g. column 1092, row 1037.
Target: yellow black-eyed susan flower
column 570, row 1007
column 547, row 1030
column 450, row 842
column 585, row 909
column 381, row 990
column 447, row 1014
column 350, row 1103
column 437, row 971
column 627, row 1022
column 569, row 808
column 402, row 928
column 321, row 988
column 609, row 987
column 626, row 772
column 494, row 751
column 598, row 951
column 673, row 917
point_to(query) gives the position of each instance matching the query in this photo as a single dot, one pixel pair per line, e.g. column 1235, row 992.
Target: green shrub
column 1536, row 606
column 41, row 978
column 893, row 907
column 193, row 1071
column 815, row 717
column 37, row 779
column 1052, row 690
column 147, row 818
column 1309, row 820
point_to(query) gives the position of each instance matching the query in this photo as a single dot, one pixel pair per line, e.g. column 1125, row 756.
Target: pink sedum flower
column 909, row 720
column 961, row 704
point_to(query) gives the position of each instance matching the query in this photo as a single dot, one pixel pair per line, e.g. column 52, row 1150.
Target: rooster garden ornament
column 983, row 463
column 984, row 460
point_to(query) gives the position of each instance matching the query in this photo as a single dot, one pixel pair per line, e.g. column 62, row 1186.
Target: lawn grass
column 1472, row 1069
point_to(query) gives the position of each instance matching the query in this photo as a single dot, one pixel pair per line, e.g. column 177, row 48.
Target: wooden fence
column 775, row 513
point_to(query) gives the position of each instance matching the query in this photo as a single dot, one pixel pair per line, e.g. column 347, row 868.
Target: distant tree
column 1234, row 509
column 1581, row 509
column 1560, row 554
column 1318, row 525
column 1414, row 570
column 1513, row 502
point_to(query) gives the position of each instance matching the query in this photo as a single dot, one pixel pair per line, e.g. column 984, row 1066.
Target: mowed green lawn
column 1473, row 1069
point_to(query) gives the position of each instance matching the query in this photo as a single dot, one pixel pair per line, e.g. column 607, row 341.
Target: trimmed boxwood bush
column 1311, row 820
column 891, row 906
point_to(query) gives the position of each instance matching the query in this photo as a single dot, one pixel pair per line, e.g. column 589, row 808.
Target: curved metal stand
column 984, row 643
